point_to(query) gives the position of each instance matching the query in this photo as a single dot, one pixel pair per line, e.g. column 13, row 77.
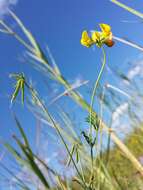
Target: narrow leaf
column 71, row 155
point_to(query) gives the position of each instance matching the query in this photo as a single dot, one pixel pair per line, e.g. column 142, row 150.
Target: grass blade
column 129, row 9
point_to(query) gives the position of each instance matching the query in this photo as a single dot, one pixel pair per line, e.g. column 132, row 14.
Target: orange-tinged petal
column 109, row 43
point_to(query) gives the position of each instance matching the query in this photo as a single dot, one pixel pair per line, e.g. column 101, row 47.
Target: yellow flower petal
column 85, row 39
column 106, row 29
column 96, row 36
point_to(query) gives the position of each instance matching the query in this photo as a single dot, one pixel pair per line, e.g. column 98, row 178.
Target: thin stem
column 11, row 32
column 108, row 142
column 129, row 43
column 91, row 152
column 92, row 167
column 81, row 168
column 95, row 87
column 57, row 129
column 129, row 9
column 91, row 106
column 99, row 148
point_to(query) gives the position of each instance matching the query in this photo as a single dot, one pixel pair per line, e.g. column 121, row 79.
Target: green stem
column 108, row 143
column 57, row 129
column 91, row 106
column 11, row 32
column 95, row 87
column 99, row 149
column 92, row 167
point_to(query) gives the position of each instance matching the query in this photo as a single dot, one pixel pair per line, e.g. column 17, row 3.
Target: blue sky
column 59, row 24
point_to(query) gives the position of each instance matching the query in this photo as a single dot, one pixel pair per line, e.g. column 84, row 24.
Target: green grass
column 120, row 169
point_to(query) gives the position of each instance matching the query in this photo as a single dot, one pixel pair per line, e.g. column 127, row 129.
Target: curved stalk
column 96, row 85
column 91, row 107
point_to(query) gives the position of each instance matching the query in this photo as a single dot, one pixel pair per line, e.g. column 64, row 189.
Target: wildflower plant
column 97, row 169
column 98, row 38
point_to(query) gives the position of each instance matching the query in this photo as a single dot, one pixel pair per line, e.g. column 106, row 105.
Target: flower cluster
column 98, row 37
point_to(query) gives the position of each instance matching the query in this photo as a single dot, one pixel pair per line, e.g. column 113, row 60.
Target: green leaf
column 20, row 84
column 22, row 134
column 22, row 91
column 16, row 91
column 26, row 32
column 71, row 155
column 32, row 163
column 16, row 154
column 77, row 154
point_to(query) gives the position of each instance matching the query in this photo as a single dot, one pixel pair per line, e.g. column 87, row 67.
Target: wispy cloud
column 5, row 5
column 121, row 121
column 119, row 111
column 136, row 71
column 136, row 68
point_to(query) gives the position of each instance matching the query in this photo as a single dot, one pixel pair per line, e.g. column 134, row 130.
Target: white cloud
column 121, row 121
column 119, row 111
column 136, row 70
column 5, row 5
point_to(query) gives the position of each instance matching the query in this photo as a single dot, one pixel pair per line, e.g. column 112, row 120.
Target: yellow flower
column 85, row 39
column 98, row 37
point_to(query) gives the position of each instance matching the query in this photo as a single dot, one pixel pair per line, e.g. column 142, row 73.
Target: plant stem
column 57, row 129
column 11, row 32
column 95, row 87
column 91, row 108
